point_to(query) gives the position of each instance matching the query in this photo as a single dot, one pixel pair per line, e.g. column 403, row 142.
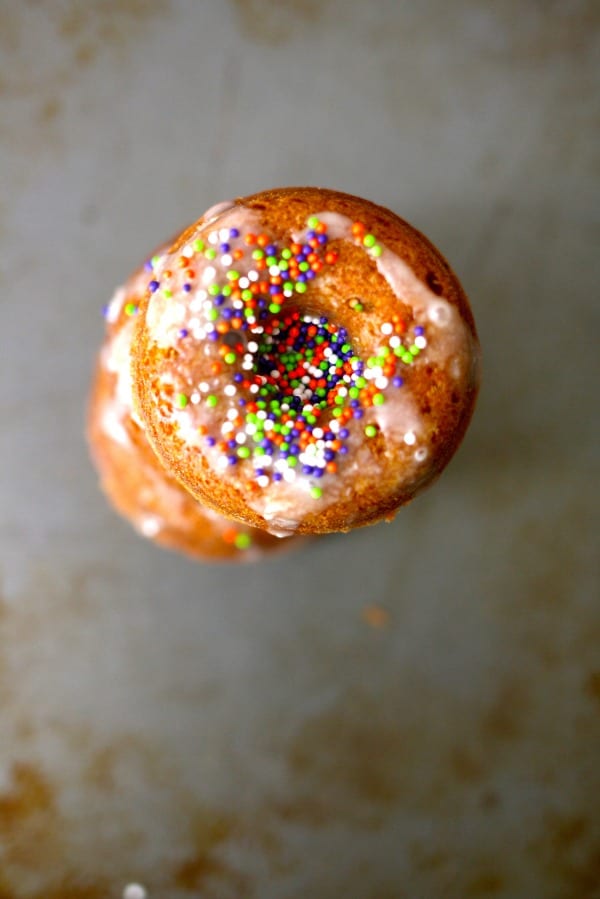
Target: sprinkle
column 370, row 431
column 243, row 540
column 182, row 400
column 316, row 492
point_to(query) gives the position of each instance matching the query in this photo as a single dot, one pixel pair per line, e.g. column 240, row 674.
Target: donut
column 304, row 361
column 131, row 475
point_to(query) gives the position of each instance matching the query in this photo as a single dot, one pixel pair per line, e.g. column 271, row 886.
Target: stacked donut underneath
column 299, row 361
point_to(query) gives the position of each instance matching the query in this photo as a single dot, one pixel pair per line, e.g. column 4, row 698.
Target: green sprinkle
column 182, row 400
column 370, row 431
column 353, row 393
column 210, row 253
column 212, row 315
column 274, row 307
column 155, row 260
column 226, row 290
column 378, row 399
column 376, row 250
column 300, row 287
column 167, row 293
column 214, row 290
column 198, row 246
column 316, row 492
column 292, row 461
column 414, row 350
column 242, row 541
column 243, row 452
column 131, row 309
column 407, row 357
column 304, row 266
column 288, row 285
column 257, row 254
column 230, row 358
column 247, row 295
column 313, row 222
column 369, row 240
column 211, row 400
column 232, row 275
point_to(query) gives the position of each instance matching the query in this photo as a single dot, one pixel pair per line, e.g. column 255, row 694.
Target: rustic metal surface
column 408, row 711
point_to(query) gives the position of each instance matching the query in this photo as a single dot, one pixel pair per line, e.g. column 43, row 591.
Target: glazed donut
column 304, row 361
column 131, row 475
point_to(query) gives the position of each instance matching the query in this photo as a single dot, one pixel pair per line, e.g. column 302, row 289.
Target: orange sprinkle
column 250, row 239
column 238, row 253
column 262, row 240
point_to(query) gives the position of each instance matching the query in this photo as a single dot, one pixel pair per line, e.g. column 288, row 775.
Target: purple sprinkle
column 358, row 413
column 232, row 460
column 154, row 285
column 224, row 248
column 210, row 441
column 344, row 433
column 187, row 287
column 343, row 450
column 322, row 238
column 259, row 472
column 233, row 232
column 397, row 381
column 148, row 265
column 318, row 472
column 419, row 330
column 183, row 332
column 277, row 476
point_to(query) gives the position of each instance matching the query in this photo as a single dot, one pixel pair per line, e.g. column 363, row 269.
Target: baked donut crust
column 131, row 475
column 234, row 318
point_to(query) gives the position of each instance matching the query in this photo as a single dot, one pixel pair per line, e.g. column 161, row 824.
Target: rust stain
column 488, row 883
column 465, row 765
column 376, row 617
column 29, row 794
column 274, row 21
column 508, row 712
column 203, row 865
column 591, row 687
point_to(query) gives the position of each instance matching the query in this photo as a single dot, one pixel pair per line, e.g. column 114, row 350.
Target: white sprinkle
column 261, row 414
column 193, row 324
column 269, row 425
column 421, row 342
column 150, row 526
column 394, row 341
column 238, row 304
column 240, row 437
column 247, row 365
column 213, row 237
column 327, row 351
column 334, row 425
column 263, row 481
column 134, row 891
column 226, row 427
column 289, row 475
column 250, row 429
column 253, row 275
column 275, row 374
column 230, row 390
column 274, row 270
column 208, row 274
column 188, row 251
column 232, row 414
column 381, row 382
column 410, row 438
column 222, row 462
column 195, row 398
column 254, row 388
column 226, row 259
column 252, row 346
column 318, row 433
column 387, row 328
column 421, row 454
column 203, row 387
column 224, row 234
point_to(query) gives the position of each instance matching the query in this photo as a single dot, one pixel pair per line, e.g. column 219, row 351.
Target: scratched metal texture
column 408, row 711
